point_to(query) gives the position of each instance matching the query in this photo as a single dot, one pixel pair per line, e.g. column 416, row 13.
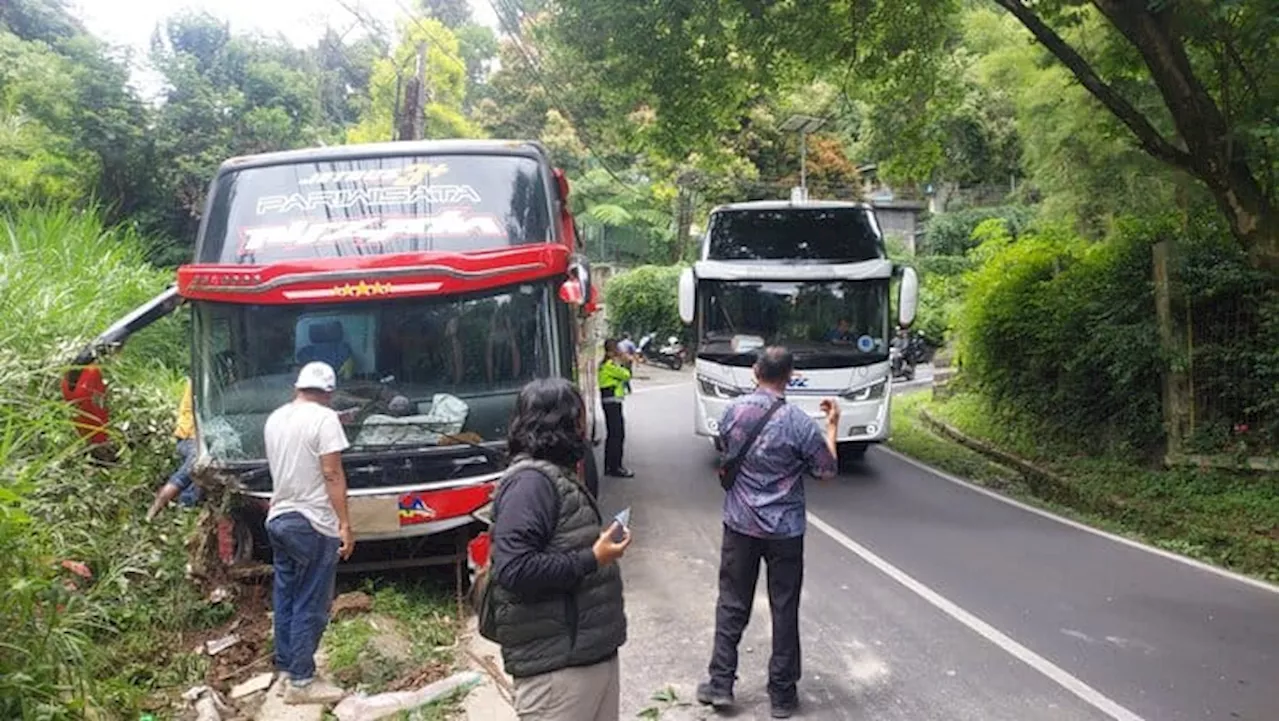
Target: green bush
column 1053, row 324
column 951, row 234
column 644, row 300
column 76, row 642
column 939, row 298
column 941, row 289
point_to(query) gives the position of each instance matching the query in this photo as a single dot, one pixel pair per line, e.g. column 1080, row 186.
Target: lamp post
column 802, row 124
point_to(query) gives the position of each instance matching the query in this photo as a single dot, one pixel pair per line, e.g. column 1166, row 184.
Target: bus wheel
column 851, row 454
column 591, row 474
column 232, row 541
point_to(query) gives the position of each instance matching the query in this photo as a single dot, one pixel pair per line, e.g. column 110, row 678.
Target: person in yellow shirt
column 614, row 379
column 180, row 485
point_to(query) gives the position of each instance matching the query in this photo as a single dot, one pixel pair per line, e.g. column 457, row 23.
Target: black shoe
column 620, row 473
column 708, row 696
column 783, row 709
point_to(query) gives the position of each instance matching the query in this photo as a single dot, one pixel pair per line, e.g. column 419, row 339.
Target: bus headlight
column 717, row 390
column 872, row 392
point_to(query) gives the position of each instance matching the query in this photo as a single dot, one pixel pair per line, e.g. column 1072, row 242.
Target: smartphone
column 622, row 519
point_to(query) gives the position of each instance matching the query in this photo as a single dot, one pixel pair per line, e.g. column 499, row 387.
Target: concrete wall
column 900, row 220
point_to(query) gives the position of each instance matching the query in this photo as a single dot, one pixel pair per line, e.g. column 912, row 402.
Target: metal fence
column 1219, row 327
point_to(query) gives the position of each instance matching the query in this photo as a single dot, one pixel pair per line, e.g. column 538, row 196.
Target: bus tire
column 851, row 454
column 591, row 473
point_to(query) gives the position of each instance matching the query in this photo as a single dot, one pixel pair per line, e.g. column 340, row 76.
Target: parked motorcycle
column 670, row 355
column 907, row 352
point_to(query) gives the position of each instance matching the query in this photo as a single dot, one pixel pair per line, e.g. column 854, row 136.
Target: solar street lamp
column 802, row 124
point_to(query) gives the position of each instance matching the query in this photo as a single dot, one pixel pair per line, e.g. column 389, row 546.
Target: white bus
column 812, row 276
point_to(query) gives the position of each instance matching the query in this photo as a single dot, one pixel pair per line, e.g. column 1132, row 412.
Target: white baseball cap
column 316, row 376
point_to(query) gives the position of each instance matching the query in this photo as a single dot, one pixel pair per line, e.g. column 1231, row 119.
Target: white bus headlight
column 717, row 390
column 867, row 393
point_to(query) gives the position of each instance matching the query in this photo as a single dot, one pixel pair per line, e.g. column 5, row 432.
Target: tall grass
column 63, row 634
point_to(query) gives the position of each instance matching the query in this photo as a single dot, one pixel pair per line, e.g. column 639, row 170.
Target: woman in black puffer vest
column 557, row 592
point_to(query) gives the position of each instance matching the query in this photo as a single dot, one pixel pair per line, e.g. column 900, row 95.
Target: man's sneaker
column 783, row 709
column 710, row 696
column 315, row 692
column 620, row 472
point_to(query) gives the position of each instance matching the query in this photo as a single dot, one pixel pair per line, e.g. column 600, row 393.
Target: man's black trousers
column 615, row 433
column 740, row 557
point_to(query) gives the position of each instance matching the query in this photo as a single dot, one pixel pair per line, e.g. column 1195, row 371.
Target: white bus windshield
column 794, row 234
column 825, row 324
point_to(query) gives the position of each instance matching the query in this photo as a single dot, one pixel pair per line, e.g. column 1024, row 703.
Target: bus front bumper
column 860, row 421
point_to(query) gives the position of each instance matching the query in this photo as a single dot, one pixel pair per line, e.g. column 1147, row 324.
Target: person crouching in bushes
column 181, row 485
column 614, row 378
column 555, row 591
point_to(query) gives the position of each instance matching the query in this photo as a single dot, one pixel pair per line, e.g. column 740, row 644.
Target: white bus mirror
column 908, row 294
column 687, row 287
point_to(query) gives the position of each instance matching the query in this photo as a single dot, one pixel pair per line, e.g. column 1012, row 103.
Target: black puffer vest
column 550, row 632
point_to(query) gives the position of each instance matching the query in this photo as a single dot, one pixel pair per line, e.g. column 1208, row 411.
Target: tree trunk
column 684, row 220
column 1209, row 155
column 1201, row 125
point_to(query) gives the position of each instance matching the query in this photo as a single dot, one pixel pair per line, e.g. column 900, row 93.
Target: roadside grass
column 408, row 640
column 1224, row 518
column 93, row 602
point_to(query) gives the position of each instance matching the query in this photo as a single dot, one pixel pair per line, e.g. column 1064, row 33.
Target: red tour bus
column 436, row 277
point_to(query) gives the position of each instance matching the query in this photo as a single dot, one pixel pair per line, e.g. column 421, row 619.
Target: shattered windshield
column 825, row 324
column 416, row 372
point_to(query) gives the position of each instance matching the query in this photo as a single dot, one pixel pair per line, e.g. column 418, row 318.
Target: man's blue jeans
column 306, row 563
column 181, row 478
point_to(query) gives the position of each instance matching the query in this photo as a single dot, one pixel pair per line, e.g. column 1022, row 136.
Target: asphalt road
column 927, row 599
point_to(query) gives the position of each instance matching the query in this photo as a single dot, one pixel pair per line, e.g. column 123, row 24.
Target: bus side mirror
column 687, row 287
column 580, row 268
column 908, row 295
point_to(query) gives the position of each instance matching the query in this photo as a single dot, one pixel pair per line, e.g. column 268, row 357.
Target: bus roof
column 788, row 205
column 524, row 148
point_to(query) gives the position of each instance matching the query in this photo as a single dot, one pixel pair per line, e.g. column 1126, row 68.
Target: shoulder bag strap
column 755, row 432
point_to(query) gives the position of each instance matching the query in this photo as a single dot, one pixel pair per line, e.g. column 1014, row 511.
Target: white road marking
column 1085, row 692
column 1200, row 565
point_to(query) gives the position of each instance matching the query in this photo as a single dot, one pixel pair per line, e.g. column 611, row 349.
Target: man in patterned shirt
column 764, row 518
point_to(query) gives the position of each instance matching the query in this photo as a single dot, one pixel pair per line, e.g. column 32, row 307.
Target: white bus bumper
column 860, row 421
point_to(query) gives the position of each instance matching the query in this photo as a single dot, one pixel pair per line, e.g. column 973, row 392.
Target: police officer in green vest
column 614, row 380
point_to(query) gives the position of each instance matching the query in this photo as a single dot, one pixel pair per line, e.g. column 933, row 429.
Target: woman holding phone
column 555, row 586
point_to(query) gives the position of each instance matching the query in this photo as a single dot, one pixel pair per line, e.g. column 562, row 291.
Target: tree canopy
column 1089, row 111
column 1193, row 84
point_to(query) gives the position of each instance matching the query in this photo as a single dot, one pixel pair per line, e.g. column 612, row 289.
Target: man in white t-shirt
column 308, row 527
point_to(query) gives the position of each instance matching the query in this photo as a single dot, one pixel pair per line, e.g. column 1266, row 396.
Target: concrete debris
column 371, row 708
column 218, row 645
column 261, row 682
column 208, row 705
column 351, row 604
column 207, row 710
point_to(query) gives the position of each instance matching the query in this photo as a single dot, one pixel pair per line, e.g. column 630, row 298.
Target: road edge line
column 1168, row 555
column 1044, row 666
